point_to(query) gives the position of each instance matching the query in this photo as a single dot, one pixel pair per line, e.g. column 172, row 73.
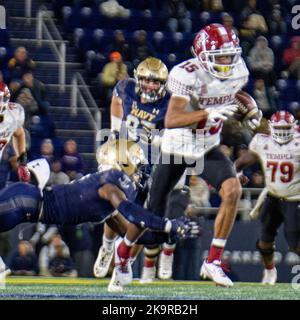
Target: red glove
column 23, row 173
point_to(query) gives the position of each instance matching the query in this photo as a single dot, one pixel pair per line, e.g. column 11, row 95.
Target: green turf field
column 62, row 288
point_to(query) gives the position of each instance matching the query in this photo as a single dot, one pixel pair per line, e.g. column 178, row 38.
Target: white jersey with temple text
column 13, row 119
column 281, row 165
column 202, row 90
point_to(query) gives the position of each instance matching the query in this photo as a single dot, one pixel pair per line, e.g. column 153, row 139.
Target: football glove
column 184, row 228
column 253, row 123
column 222, row 113
column 23, row 171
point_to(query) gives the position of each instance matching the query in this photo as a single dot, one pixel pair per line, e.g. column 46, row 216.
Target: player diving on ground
column 94, row 198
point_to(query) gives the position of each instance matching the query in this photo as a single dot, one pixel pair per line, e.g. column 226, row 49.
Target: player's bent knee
column 265, row 248
column 231, row 190
column 152, row 252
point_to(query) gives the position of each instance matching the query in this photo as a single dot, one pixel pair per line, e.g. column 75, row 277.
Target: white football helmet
column 217, row 40
column 283, row 126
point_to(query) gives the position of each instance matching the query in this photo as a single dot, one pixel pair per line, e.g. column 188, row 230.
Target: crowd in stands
column 43, row 252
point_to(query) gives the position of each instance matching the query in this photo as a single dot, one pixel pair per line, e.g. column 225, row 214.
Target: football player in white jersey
column 11, row 127
column 203, row 91
column 279, row 155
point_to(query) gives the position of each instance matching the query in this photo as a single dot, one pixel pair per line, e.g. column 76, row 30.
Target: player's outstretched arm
column 143, row 218
column 177, row 116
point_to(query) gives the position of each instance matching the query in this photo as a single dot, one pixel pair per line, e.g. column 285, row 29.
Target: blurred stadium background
column 54, row 56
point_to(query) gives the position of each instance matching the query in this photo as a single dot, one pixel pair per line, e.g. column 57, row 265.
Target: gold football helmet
column 151, row 76
column 121, row 154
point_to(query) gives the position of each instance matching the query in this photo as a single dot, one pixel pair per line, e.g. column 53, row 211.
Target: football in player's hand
column 247, row 107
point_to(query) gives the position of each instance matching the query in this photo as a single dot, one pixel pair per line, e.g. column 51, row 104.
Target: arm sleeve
column 141, row 217
column 119, row 88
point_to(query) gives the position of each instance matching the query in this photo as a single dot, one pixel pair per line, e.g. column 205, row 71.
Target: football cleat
column 114, row 285
column 123, row 273
column 2, row 266
column 103, row 262
column 148, row 275
column 214, row 272
column 269, row 276
column 123, row 270
column 165, row 266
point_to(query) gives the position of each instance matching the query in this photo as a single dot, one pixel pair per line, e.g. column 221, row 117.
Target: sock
column 124, row 249
column 150, row 257
column 108, row 244
column 269, row 266
column 150, row 262
column 216, row 250
column 168, row 249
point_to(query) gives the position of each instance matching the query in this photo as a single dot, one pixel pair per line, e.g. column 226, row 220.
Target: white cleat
column 123, row 273
column 123, row 270
column 7, row 272
column 269, row 276
column 103, row 261
column 148, row 275
column 2, row 265
column 114, row 285
column 165, row 266
column 214, row 272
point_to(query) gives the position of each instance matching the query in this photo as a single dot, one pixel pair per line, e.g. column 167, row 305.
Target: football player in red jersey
column 203, row 92
column 11, row 126
column 279, row 155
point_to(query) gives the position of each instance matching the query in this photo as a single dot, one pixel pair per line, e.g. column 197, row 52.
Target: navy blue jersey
column 79, row 201
column 138, row 115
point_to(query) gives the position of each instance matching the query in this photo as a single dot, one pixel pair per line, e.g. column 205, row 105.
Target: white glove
column 222, row 113
column 254, row 213
column 254, row 123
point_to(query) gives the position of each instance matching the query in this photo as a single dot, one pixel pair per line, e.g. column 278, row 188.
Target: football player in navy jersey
column 103, row 196
column 138, row 107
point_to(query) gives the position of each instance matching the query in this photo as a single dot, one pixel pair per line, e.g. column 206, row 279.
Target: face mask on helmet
column 282, row 133
column 220, row 63
column 151, row 90
column 282, row 127
column 151, row 77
